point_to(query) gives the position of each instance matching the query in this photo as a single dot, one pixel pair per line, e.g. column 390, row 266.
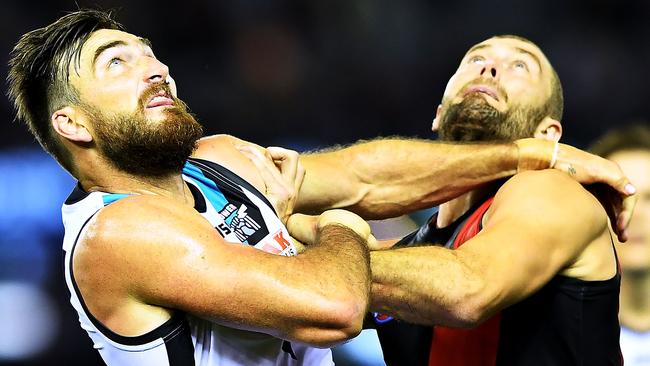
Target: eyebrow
column 519, row 49
column 525, row 51
column 116, row 43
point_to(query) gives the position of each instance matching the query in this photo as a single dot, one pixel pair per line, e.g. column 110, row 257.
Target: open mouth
column 482, row 89
column 160, row 99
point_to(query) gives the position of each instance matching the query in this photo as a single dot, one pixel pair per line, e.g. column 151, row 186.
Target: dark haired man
column 528, row 264
column 154, row 256
column 630, row 148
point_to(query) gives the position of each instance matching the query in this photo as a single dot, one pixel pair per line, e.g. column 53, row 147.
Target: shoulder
column 140, row 234
column 222, row 149
column 214, row 147
column 548, row 185
column 549, row 195
column 143, row 219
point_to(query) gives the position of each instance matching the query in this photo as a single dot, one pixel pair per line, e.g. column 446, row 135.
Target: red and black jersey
column 567, row 322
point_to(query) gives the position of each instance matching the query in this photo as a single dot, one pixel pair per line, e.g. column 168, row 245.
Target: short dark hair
column 39, row 73
column 632, row 137
column 554, row 106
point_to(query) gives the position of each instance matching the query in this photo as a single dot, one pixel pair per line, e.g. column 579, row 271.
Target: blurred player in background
column 630, row 148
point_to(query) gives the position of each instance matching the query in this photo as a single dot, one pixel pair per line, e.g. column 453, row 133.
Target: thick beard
column 140, row 147
column 474, row 119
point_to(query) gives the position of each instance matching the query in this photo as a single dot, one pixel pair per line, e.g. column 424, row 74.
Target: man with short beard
column 527, row 264
column 179, row 260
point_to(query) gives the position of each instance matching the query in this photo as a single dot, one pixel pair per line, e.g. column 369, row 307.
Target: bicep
column 173, row 258
column 535, row 228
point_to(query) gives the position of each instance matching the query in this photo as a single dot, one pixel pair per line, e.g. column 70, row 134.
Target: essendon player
column 532, row 271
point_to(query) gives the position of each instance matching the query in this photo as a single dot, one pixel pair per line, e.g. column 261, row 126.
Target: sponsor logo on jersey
column 277, row 243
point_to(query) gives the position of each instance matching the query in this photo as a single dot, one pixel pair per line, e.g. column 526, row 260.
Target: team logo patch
column 238, row 221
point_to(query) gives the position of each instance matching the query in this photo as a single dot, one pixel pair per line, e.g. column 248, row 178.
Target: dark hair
column 632, row 137
column 39, row 73
column 554, row 106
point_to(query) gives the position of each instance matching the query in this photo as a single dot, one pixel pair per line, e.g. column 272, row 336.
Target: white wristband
column 554, row 156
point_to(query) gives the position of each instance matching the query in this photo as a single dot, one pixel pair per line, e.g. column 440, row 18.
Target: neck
column 171, row 186
column 635, row 300
column 450, row 211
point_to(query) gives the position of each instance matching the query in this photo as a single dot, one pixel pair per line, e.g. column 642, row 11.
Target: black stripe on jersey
column 180, row 350
column 229, row 178
column 175, row 324
column 199, row 201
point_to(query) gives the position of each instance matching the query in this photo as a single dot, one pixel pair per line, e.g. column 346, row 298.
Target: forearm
column 386, row 178
column 334, row 274
column 343, row 255
column 425, row 285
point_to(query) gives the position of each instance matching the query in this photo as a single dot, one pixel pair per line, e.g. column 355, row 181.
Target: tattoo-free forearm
column 424, row 285
column 390, row 177
column 343, row 254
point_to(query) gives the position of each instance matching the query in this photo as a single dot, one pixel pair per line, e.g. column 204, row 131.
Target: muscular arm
column 178, row 261
column 538, row 225
column 390, row 177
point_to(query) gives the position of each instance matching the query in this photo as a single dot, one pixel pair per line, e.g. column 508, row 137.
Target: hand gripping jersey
column 567, row 322
column 241, row 214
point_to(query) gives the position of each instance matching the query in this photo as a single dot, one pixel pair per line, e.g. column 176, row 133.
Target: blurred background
column 301, row 74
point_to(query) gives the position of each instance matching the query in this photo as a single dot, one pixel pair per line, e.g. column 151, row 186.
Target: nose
column 489, row 70
column 156, row 72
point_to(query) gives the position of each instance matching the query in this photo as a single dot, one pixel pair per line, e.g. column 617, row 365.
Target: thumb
column 303, row 227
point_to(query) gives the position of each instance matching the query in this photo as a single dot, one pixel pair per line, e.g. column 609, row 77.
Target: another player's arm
column 536, row 227
column 389, row 177
column 177, row 260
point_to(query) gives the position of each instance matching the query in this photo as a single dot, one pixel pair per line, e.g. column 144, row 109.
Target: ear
column 70, row 124
column 436, row 121
column 549, row 129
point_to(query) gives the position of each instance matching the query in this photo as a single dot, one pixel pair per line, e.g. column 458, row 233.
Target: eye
column 520, row 65
column 476, row 60
column 115, row 61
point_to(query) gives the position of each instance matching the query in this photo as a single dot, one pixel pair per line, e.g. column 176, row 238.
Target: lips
column 482, row 89
column 160, row 99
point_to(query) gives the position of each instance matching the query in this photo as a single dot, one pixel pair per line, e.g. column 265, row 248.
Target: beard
column 474, row 119
column 139, row 146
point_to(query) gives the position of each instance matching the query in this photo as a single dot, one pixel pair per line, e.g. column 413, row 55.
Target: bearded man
column 528, row 264
column 179, row 260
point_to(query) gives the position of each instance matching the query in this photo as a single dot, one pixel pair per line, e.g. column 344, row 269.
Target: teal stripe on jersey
column 110, row 198
column 208, row 187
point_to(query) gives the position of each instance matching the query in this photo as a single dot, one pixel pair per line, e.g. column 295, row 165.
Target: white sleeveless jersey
column 241, row 214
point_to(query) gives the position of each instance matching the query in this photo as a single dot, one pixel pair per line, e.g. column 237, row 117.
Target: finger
column 627, row 209
column 300, row 247
column 288, row 163
column 262, row 164
column 373, row 243
column 300, row 177
column 288, row 159
column 614, row 177
column 268, row 171
column 303, row 227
